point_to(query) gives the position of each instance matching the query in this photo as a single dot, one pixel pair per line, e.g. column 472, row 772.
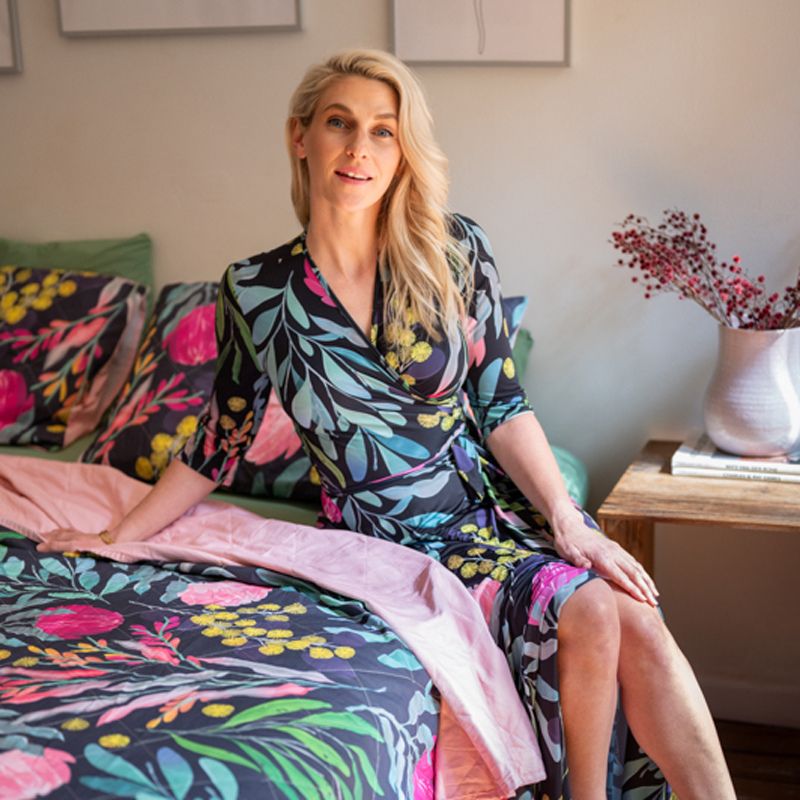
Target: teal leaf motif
column 56, row 567
column 12, row 567
column 89, row 579
column 302, row 405
column 488, row 382
column 295, row 308
column 117, row 766
column 355, row 456
column 221, row 777
column 117, row 581
column 400, row 659
column 176, row 770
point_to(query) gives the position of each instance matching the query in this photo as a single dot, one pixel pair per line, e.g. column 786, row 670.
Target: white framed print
column 482, row 31
column 120, row 17
column 10, row 52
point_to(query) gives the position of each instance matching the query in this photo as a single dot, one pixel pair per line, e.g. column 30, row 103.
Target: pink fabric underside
column 486, row 747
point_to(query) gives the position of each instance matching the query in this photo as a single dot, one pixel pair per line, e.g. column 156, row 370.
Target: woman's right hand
column 65, row 540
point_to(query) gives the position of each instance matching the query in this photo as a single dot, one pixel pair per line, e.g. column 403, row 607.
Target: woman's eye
column 336, row 122
column 384, row 132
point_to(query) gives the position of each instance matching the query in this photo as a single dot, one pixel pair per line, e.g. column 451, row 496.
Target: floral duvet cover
column 187, row 681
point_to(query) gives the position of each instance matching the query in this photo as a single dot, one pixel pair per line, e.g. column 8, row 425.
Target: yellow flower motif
column 407, row 337
column 254, row 631
column 454, row 562
column 447, row 423
column 213, row 607
column 421, row 351
column 476, row 551
column 276, row 618
column 499, row 573
column 51, row 279
column 409, row 379
column 23, row 275
column 213, row 631
column 373, row 334
column 226, row 615
column 429, row 420
column 268, row 607
column 15, row 314
column 344, row 652
column 320, row 652
column 298, row 644
column 247, row 610
column 297, row 249
column 508, row 368
column 279, row 633
column 26, row 661
column 484, row 533
column 114, row 741
column 295, row 608
column 226, row 423
column 161, row 443
column 218, row 710
column 313, row 476
column 144, row 468
column 42, row 303
column 271, row 649
column 159, row 461
column 187, row 426
column 74, row 724
column 485, row 567
column 234, row 641
column 505, row 327
column 30, row 288
column 67, row 288
column 202, row 619
column 237, row 404
column 244, row 623
column 315, row 639
column 8, row 299
column 468, row 570
column 4, row 653
column 410, row 317
column 392, row 359
column 470, row 527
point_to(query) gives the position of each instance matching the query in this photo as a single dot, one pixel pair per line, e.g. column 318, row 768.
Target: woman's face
column 351, row 145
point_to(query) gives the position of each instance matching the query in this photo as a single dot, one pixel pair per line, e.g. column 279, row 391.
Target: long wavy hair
column 429, row 275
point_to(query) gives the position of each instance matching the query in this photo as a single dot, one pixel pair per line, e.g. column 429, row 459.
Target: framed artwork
column 10, row 53
column 121, row 17
column 482, row 31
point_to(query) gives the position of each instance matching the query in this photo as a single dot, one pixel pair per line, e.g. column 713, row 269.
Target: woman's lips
column 352, row 177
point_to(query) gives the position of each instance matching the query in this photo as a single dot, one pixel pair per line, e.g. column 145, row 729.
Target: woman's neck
column 345, row 244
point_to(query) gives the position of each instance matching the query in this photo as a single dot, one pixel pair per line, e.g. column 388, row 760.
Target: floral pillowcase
column 67, row 340
column 169, row 386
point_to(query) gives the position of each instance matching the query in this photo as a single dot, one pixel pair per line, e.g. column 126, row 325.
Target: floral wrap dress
column 396, row 436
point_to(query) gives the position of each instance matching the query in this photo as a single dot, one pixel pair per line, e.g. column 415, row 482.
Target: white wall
column 667, row 103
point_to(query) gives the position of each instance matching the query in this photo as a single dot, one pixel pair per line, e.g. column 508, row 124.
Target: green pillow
column 129, row 258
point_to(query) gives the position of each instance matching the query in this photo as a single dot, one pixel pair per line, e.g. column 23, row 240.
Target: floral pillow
column 169, row 385
column 67, row 340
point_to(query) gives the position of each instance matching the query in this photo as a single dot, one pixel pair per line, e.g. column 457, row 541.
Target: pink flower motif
column 313, row 283
column 84, row 332
column 549, row 579
column 484, row 594
column 72, row 622
column 476, row 351
column 276, row 437
column 24, row 775
column 329, row 508
column 159, row 654
column 223, row 593
column 14, row 397
column 425, row 775
column 193, row 339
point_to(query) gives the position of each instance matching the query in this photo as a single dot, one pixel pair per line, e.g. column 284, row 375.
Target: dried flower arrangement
column 676, row 256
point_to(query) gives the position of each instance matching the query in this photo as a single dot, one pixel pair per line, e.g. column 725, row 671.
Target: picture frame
column 496, row 32
column 123, row 17
column 10, row 51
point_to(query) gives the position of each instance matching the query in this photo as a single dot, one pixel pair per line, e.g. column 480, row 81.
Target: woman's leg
column 588, row 651
column 664, row 705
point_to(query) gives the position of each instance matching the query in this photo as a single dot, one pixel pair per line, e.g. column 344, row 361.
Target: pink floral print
column 193, row 341
column 75, row 621
column 14, row 397
column 24, row 775
column 223, row 593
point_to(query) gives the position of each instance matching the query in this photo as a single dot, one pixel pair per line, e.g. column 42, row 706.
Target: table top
column 648, row 491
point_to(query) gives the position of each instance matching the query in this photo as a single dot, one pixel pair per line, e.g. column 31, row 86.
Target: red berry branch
column 677, row 257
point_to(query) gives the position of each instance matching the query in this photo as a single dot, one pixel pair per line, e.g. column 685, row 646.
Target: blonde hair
column 429, row 275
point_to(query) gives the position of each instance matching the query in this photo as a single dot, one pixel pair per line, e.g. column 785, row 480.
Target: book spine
column 736, row 474
column 734, row 465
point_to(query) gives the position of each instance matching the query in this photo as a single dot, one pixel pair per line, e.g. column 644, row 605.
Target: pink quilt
column 486, row 747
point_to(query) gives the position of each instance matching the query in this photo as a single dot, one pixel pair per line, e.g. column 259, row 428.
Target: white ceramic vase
column 752, row 405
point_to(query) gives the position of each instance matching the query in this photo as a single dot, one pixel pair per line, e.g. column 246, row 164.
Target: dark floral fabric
column 400, row 458
column 169, row 386
column 181, row 681
column 66, row 339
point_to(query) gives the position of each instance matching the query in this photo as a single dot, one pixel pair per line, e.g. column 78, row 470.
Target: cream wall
column 666, row 103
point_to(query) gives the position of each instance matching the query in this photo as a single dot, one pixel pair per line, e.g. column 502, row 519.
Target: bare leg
column 665, row 707
column 588, row 651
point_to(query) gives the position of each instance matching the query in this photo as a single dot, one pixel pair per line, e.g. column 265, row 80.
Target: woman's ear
column 298, row 136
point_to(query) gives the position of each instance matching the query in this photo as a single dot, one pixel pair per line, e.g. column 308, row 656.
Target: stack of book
column 698, row 457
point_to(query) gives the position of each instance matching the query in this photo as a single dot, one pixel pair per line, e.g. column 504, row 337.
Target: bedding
column 232, row 676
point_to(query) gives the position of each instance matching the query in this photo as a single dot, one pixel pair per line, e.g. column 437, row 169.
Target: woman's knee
column 643, row 632
column 590, row 617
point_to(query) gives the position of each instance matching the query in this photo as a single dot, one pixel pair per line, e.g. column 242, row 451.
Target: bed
column 209, row 666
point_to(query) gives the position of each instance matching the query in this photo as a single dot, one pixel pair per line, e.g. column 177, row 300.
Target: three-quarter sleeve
column 494, row 392
column 239, row 397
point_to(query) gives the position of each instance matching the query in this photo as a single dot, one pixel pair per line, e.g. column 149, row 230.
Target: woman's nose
column 357, row 146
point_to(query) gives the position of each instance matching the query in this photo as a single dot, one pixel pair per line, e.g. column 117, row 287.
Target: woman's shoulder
column 268, row 268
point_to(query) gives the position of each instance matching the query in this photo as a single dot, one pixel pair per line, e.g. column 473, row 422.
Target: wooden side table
column 648, row 493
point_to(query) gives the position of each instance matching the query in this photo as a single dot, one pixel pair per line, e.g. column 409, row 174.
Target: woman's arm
column 178, row 489
column 521, row 449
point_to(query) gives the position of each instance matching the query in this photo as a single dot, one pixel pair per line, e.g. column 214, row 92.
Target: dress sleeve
column 492, row 387
column 228, row 424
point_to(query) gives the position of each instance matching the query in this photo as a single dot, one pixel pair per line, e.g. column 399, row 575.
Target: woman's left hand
column 579, row 541
column 69, row 540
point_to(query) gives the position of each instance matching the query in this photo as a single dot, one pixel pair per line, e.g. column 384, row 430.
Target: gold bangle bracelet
column 105, row 537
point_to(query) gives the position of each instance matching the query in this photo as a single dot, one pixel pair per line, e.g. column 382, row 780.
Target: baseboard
column 746, row 701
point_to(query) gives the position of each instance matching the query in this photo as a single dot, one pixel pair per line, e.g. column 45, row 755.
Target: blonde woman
column 370, row 326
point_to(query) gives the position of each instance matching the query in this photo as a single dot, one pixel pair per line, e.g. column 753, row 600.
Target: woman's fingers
column 63, row 540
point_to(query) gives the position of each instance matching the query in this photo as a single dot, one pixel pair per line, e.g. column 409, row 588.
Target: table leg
column 635, row 535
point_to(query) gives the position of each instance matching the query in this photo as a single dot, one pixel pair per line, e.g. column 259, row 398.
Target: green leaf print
column 341, row 720
column 272, row 708
column 319, row 748
column 212, row 752
column 367, row 769
column 221, row 777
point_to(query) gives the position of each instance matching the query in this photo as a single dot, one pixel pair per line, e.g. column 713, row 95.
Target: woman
column 361, row 326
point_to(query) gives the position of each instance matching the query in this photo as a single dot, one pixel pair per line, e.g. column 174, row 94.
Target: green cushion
column 520, row 352
column 574, row 473
column 129, row 258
